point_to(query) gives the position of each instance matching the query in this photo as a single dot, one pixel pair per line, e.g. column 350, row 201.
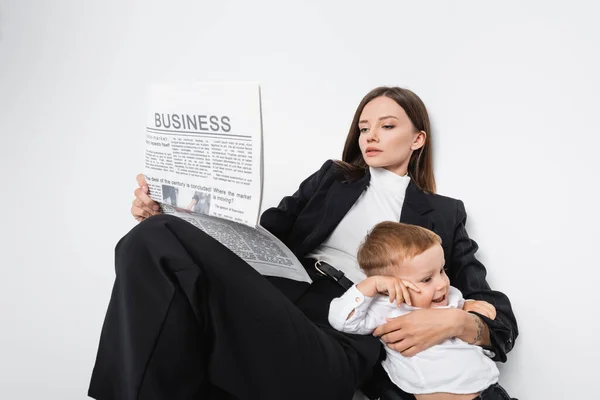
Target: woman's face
column 387, row 136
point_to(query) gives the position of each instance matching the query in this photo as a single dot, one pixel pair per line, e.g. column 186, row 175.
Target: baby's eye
column 426, row 280
column 443, row 271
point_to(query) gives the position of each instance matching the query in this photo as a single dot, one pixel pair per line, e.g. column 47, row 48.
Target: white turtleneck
column 382, row 201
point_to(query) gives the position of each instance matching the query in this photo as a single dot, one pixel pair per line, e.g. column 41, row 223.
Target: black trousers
column 494, row 392
column 188, row 319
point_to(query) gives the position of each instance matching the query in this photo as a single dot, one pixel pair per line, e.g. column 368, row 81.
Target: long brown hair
column 420, row 165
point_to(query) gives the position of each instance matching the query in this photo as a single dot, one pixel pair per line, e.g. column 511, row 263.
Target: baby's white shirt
column 452, row 366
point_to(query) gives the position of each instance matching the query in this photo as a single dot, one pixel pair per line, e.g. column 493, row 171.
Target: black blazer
column 305, row 219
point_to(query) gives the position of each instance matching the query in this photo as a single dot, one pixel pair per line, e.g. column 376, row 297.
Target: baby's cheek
column 423, row 299
column 447, row 279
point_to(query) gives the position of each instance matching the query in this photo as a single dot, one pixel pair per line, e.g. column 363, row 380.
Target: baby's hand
column 395, row 288
column 481, row 307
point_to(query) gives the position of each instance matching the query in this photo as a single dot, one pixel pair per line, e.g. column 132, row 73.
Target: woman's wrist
column 471, row 329
column 461, row 322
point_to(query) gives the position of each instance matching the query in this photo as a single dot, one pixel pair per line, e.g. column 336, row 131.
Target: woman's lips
column 371, row 153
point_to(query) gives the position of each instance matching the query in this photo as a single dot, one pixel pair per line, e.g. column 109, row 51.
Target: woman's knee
column 139, row 233
column 140, row 241
column 159, row 238
column 158, row 221
column 147, row 230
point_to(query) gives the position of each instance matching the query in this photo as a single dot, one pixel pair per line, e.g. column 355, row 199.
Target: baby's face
column 426, row 271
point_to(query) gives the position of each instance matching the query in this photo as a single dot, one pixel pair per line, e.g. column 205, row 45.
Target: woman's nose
column 372, row 136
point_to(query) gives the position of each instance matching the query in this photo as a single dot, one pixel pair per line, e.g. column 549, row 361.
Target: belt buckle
column 323, row 273
column 317, row 264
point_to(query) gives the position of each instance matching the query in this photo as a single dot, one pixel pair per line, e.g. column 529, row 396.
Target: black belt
column 327, row 270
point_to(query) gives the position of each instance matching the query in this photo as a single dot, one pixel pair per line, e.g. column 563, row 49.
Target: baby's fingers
column 399, row 293
column 405, row 294
column 411, row 285
column 392, row 292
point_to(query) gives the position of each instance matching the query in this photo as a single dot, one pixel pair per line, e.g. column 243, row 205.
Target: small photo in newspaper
column 184, row 199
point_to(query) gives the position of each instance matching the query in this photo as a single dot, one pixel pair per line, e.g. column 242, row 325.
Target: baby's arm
column 351, row 312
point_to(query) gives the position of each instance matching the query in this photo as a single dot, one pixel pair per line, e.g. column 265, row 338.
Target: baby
column 397, row 258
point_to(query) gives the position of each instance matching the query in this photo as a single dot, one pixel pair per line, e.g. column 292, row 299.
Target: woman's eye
column 362, row 130
column 388, row 127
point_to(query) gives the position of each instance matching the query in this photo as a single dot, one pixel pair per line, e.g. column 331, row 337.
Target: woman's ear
column 419, row 141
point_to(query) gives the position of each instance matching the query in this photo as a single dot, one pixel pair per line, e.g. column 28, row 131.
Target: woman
column 189, row 319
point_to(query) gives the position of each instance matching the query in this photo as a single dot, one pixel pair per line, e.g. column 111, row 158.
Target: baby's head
column 411, row 253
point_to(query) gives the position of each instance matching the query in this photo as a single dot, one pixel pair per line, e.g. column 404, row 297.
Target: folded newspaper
column 204, row 164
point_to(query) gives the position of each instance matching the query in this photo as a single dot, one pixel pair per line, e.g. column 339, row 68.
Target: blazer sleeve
column 280, row 220
column 469, row 276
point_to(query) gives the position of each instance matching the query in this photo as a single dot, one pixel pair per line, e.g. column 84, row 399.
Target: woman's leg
column 187, row 313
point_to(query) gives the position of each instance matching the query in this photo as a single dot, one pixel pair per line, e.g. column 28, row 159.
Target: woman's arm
column 469, row 276
column 473, row 330
column 422, row 329
column 281, row 219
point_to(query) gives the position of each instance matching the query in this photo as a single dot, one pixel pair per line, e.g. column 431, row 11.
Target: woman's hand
column 143, row 206
column 419, row 330
column 481, row 307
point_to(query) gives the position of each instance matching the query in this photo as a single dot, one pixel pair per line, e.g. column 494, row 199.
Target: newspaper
column 204, row 164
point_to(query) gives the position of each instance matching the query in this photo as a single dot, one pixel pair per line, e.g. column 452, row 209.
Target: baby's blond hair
column 389, row 244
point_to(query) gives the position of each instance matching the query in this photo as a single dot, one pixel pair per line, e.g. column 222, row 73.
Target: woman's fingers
column 140, row 213
column 153, row 209
column 487, row 309
column 490, row 310
column 143, row 206
column 397, row 341
column 389, row 332
column 481, row 307
column 484, row 311
column 145, row 200
column 138, row 208
column 141, row 180
column 493, row 312
column 142, row 193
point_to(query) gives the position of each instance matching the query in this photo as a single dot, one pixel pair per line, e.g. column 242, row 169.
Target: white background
column 512, row 88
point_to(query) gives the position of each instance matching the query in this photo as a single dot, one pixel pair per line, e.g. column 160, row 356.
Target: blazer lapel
column 415, row 208
column 340, row 198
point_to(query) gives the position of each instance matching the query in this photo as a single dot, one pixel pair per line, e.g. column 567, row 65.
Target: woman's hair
column 420, row 166
column 389, row 244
